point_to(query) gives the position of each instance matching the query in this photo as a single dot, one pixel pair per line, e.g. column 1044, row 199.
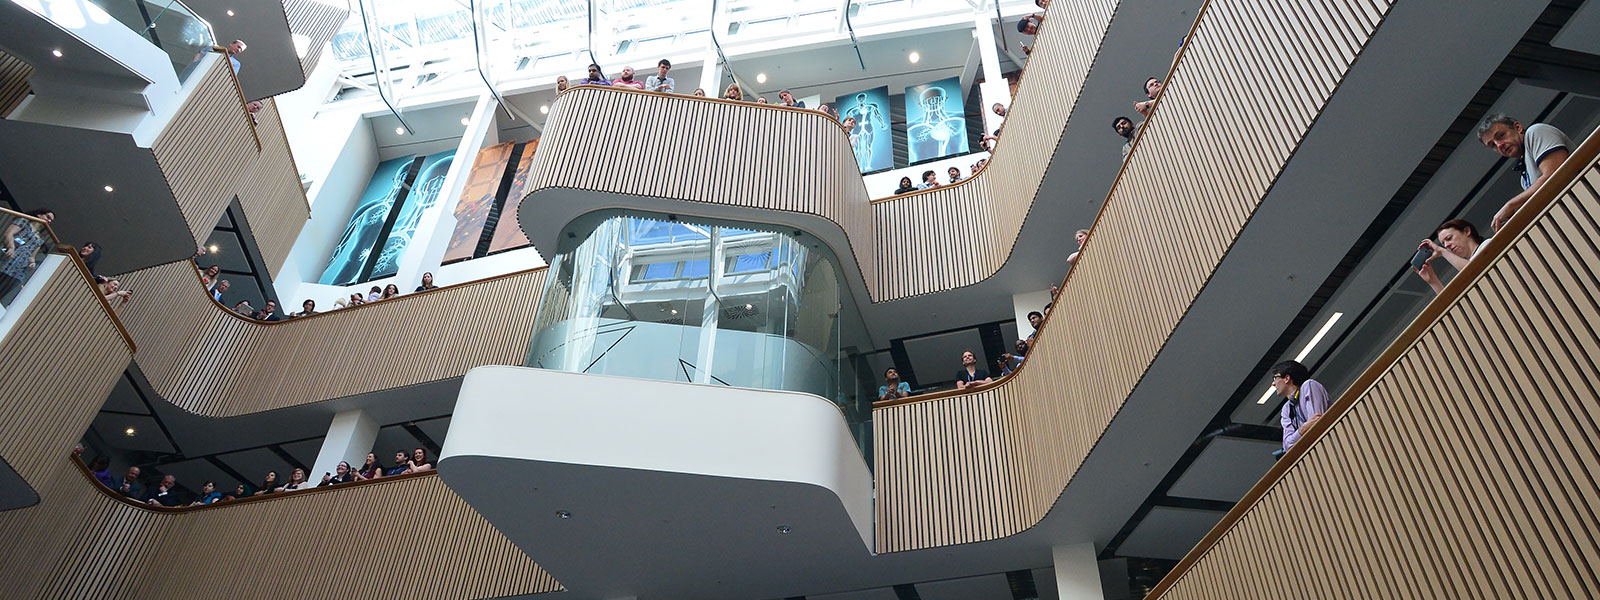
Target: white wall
column 488, row 266
column 1024, row 303
column 334, row 197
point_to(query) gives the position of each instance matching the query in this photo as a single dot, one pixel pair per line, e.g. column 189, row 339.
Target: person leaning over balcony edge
column 1305, row 400
column 234, row 50
column 970, row 375
column 660, row 82
column 1459, row 243
column 595, row 77
column 1541, row 147
column 893, row 388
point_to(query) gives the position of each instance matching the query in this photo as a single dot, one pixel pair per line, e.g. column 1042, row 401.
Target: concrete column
column 1077, row 572
column 710, row 71
column 994, row 88
column 350, row 438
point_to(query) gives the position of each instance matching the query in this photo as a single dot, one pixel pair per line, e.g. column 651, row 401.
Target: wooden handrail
column 314, row 489
column 244, row 104
column 402, row 296
column 1563, row 178
column 72, row 256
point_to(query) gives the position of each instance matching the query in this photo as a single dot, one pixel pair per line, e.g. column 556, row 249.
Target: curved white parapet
column 630, row 487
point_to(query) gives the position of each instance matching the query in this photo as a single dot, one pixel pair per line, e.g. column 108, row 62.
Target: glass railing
column 170, row 25
column 27, row 240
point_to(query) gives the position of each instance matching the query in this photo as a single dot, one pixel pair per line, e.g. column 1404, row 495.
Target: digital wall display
column 936, row 124
column 870, row 137
column 508, row 230
column 477, row 198
column 424, row 194
column 388, row 187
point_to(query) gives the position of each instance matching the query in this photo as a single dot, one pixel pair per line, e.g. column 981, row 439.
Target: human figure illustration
column 937, row 134
column 869, row 118
column 356, row 245
column 423, row 196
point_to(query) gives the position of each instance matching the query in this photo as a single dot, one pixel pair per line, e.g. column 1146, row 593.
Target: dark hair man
column 595, row 77
column 660, row 82
column 1124, row 127
column 1036, row 319
column 1541, row 147
column 955, row 174
column 930, row 179
column 1305, row 399
column 893, row 387
column 1152, row 88
column 970, row 375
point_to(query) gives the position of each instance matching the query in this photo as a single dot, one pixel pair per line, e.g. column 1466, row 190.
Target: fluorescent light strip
column 1306, row 351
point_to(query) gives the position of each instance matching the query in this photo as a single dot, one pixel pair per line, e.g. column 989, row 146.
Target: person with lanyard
column 970, row 375
column 1305, row 400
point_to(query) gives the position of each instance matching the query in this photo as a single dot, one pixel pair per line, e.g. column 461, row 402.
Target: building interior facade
column 764, row 299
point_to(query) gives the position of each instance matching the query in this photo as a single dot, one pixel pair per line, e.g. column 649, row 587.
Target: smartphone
column 1420, row 259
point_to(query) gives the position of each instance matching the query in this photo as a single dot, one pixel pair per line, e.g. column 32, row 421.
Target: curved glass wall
column 703, row 302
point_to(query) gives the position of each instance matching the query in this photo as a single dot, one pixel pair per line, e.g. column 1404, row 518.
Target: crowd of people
column 165, row 491
column 218, row 288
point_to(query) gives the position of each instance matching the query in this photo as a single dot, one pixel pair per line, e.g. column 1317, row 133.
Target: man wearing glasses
column 1305, row 399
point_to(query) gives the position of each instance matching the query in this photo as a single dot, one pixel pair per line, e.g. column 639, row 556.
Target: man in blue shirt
column 234, row 50
column 660, row 82
column 895, row 388
column 1306, row 400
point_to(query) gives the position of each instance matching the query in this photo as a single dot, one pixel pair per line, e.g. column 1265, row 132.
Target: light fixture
column 674, row 311
column 761, row 77
column 544, row 109
column 465, row 120
column 212, row 248
column 563, row 514
column 399, row 131
column 783, row 529
column 1306, row 351
column 749, row 307
column 230, row 13
column 56, row 52
column 110, row 189
column 914, row 57
column 129, row 431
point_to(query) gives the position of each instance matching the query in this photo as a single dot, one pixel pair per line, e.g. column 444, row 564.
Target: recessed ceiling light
column 761, row 77
column 212, row 248
column 129, row 431
column 110, row 189
column 563, row 514
column 674, row 311
column 399, row 131
column 465, row 120
column 914, row 57
column 749, row 307
column 544, row 109
column 230, row 13
column 1306, row 351
column 56, row 52
column 783, row 529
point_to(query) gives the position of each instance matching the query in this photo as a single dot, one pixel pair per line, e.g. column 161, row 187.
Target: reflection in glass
column 706, row 303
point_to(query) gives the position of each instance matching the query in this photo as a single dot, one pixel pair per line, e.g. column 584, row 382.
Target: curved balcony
column 208, row 360
column 1507, row 479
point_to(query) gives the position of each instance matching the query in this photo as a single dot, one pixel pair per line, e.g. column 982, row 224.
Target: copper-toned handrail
column 320, row 313
column 72, row 255
column 1560, row 180
column 244, row 104
column 314, row 489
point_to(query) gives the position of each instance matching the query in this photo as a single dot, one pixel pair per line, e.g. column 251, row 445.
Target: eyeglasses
column 1279, row 376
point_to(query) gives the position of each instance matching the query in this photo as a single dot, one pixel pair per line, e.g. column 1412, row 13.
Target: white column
column 438, row 223
column 1077, row 572
column 350, row 438
column 709, row 318
column 1023, row 304
column 710, row 72
column 994, row 88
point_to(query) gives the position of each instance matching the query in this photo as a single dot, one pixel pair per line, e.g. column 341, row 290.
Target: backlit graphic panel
column 472, row 210
column 508, row 230
column 936, row 126
column 424, row 194
column 870, row 137
column 366, row 223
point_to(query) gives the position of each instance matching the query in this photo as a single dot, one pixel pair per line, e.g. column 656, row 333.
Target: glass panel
column 703, row 303
column 170, row 25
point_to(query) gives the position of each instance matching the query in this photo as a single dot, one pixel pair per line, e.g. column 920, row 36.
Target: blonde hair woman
column 733, row 92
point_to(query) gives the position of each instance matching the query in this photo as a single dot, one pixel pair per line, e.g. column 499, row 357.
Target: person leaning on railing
column 1459, row 243
column 970, row 375
column 23, row 239
column 1305, row 399
column 1541, row 148
column 893, row 388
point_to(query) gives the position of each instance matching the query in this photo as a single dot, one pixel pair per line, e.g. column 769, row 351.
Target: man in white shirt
column 234, row 50
column 660, row 82
column 1541, row 147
